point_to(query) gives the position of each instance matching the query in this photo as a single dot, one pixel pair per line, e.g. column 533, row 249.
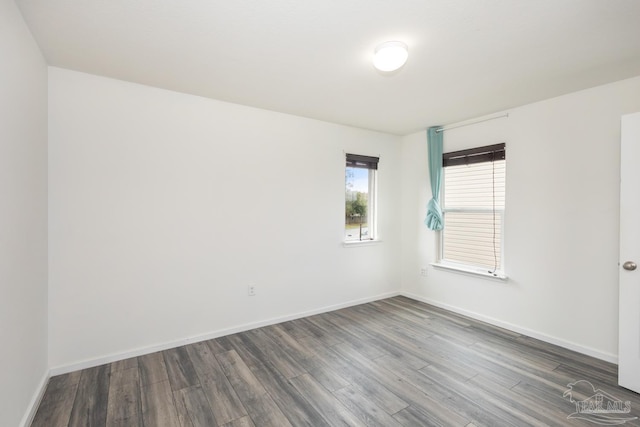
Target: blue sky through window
column 360, row 180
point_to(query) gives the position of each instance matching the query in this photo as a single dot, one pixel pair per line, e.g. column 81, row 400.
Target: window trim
column 356, row 243
column 373, row 203
column 483, row 154
column 371, row 164
column 465, row 269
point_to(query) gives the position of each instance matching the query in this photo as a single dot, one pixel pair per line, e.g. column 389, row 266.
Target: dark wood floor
column 395, row 362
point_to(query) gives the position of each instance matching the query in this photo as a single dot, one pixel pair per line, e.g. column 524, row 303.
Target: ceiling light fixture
column 390, row 56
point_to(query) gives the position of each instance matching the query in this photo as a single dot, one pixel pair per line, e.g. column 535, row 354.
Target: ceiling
column 312, row 58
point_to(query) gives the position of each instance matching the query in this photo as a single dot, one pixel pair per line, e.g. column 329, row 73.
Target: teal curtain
column 434, row 213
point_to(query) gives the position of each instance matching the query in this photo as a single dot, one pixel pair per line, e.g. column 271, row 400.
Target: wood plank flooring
column 395, row 362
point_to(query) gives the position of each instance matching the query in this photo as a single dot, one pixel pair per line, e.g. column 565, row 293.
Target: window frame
column 370, row 163
column 488, row 153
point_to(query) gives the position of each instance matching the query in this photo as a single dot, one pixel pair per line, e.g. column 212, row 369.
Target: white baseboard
column 608, row 357
column 248, row 326
column 90, row 363
column 27, row 419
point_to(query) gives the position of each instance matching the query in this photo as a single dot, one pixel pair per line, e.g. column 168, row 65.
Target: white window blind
column 474, row 200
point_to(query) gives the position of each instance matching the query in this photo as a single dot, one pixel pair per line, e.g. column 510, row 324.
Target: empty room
column 319, row 213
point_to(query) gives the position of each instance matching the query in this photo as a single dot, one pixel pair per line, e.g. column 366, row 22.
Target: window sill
column 471, row 271
column 357, row 243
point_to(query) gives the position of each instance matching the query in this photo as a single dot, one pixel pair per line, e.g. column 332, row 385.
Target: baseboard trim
column 28, row 417
column 90, row 363
column 253, row 325
column 608, row 357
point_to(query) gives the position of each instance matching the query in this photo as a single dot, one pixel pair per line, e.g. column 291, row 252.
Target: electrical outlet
column 423, row 271
column 251, row 290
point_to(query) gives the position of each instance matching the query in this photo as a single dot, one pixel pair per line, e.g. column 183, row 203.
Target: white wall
column 561, row 229
column 156, row 229
column 23, row 218
column 165, row 206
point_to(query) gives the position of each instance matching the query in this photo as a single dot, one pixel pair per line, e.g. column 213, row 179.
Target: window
column 473, row 209
column 360, row 198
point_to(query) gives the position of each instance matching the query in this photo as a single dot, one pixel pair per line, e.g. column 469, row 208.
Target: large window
column 360, row 198
column 473, row 209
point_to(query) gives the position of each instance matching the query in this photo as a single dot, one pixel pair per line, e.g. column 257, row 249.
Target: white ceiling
column 312, row 58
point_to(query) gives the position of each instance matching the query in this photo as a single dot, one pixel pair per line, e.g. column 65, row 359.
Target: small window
column 473, row 208
column 360, row 198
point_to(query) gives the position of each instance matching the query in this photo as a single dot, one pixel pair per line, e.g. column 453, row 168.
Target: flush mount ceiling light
column 390, row 56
